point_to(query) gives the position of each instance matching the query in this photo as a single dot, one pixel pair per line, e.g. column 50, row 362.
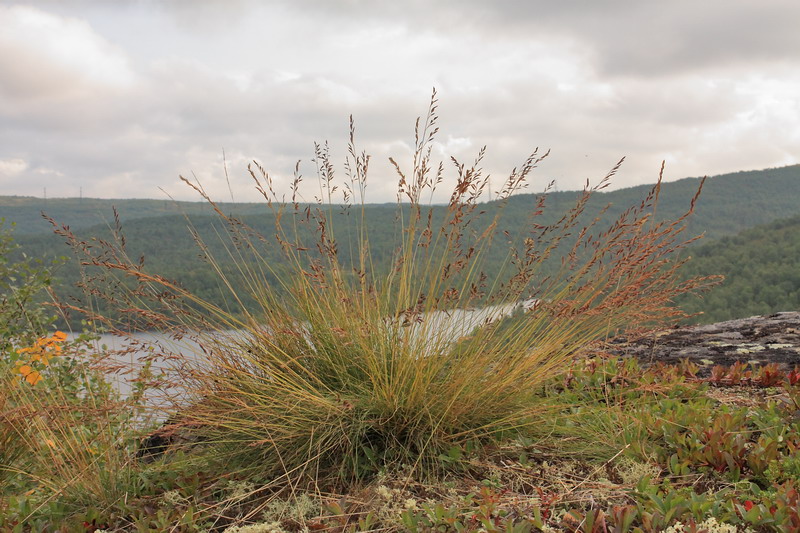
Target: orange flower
column 59, row 336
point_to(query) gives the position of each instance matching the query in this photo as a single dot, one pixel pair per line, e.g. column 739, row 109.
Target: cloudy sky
column 118, row 99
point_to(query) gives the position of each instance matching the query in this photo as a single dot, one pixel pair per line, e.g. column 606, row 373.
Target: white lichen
column 709, row 524
column 239, row 490
column 272, row 527
column 300, row 508
column 173, row 498
column 632, row 471
column 750, row 348
column 394, row 502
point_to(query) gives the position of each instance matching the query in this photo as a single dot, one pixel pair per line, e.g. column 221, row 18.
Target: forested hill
column 730, row 203
column 762, row 270
column 78, row 213
column 762, row 264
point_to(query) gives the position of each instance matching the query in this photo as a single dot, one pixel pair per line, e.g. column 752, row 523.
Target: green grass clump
column 343, row 368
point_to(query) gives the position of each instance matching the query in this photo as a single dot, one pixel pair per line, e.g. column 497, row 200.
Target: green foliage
column 22, row 320
column 84, row 213
column 743, row 457
column 476, row 512
column 733, row 203
column 194, row 496
column 22, row 282
column 761, row 268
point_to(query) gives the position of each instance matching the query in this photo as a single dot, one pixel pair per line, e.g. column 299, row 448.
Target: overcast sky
column 120, row 98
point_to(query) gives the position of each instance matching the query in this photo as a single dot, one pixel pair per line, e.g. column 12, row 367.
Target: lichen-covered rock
column 757, row 340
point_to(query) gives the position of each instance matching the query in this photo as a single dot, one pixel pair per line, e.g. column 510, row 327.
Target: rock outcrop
column 757, row 340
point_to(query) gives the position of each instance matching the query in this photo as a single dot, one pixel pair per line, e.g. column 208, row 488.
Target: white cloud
column 43, row 55
column 12, row 167
column 454, row 145
column 121, row 98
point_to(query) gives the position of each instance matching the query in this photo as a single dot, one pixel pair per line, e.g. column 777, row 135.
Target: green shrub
column 22, row 283
column 66, row 435
column 22, row 320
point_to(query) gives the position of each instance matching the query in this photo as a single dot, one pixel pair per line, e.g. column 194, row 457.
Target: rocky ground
column 758, row 340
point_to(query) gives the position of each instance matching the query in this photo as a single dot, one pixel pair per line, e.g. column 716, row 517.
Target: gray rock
column 757, row 340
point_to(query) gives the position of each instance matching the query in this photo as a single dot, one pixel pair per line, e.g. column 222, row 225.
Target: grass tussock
column 343, row 367
column 344, row 389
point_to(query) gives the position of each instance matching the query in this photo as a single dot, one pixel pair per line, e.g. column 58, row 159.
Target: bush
column 66, row 436
column 22, row 319
column 22, row 283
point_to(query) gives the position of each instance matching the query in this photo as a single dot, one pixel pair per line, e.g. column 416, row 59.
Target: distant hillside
column 762, row 270
column 27, row 211
column 729, row 204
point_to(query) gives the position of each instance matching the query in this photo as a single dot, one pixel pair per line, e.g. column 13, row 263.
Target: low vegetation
column 326, row 394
